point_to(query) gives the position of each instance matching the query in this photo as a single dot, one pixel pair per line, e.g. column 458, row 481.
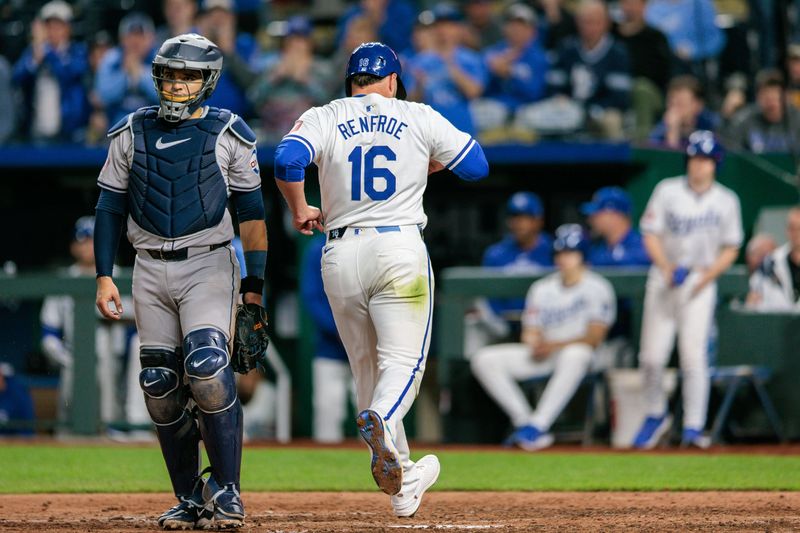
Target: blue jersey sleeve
column 473, row 165
column 291, row 159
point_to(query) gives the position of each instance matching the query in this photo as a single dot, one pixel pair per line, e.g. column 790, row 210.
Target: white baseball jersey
column 373, row 154
column 693, row 227
column 563, row 313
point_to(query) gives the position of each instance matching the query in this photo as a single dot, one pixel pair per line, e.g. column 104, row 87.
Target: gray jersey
column 238, row 163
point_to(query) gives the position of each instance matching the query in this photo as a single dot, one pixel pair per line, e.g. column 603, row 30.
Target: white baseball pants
column 499, row 368
column 380, row 287
column 667, row 312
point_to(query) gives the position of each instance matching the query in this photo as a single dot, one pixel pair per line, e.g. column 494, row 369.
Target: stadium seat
column 731, row 378
column 592, row 385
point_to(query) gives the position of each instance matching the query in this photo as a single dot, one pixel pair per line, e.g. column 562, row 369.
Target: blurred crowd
column 651, row 71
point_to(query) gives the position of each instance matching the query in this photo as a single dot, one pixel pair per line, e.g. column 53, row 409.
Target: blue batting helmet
column 703, row 143
column 376, row 59
column 570, row 237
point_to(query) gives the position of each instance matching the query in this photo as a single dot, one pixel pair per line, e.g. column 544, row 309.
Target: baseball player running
column 170, row 171
column 692, row 229
column 374, row 152
column 567, row 315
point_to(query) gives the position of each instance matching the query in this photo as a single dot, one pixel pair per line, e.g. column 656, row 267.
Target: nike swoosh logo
column 148, row 383
column 197, row 364
column 161, row 145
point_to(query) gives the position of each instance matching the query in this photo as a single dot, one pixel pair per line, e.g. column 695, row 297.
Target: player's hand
column 107, row 292
column 701, row 284
column 308, row 219
column 543, row 350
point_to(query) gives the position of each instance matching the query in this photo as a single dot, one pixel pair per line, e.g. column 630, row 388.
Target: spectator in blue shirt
column 123, row 82
column 593, row 70
column 179, row 18
column 293, row 79
column 685, row 113
column 16, row 405
column 51, row 73
column 690, row 27
column 331, row 369
column 517, row 66
column 393, row 19
column 609, row 216
column 449, row 76
column 241, row 56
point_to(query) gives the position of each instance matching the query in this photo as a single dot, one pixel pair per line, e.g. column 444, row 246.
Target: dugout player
column 775, row 285
column 58, row 334
column 170, row 171
column 567, row 316
column 692, row 229
column 374, row 152
column 527, row 248
column 609, row 216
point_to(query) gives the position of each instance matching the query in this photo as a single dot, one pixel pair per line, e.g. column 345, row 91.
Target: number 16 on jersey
column 364, row 171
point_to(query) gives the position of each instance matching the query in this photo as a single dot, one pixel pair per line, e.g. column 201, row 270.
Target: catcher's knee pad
column 160, row 379
column 207, row 364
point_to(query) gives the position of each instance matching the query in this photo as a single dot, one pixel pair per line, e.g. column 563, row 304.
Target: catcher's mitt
column 250, row 339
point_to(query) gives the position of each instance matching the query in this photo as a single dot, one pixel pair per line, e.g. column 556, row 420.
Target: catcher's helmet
column 570, row 237
column 376, row 59
column 703, row 143
column 189, row 51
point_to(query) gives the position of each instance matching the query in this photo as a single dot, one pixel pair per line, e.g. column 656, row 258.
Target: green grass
column 43, row 468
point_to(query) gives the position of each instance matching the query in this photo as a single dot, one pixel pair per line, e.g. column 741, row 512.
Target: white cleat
column 407, row 501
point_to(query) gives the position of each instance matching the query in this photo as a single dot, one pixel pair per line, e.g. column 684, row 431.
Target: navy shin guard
column 222, row 437
column 180, row 445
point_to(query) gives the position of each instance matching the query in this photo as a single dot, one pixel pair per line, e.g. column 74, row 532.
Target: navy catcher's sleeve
column 110, row 213
column 249, row 205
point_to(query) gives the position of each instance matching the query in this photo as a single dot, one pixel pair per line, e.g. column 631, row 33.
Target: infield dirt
column 441, row 511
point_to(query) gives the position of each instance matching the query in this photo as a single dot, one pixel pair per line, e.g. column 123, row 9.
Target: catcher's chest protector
column 176, row 186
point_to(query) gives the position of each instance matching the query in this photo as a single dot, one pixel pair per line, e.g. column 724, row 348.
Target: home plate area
column 335, row 512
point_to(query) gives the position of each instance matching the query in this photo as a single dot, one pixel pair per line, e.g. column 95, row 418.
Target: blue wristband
column 255, row 261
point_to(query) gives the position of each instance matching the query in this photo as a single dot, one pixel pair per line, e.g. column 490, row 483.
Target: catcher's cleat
column 190, row 513
column 386, row 467
column 227, row 504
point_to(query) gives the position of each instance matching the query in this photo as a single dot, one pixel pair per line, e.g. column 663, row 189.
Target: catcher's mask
column 187, row 52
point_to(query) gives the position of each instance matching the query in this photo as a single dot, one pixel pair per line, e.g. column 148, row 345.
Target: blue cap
column 570, row 237
column 703, row 143
column 614, row 198
column 525, row 203
column 375, row 59
column 84, row 229
column 446, row 12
